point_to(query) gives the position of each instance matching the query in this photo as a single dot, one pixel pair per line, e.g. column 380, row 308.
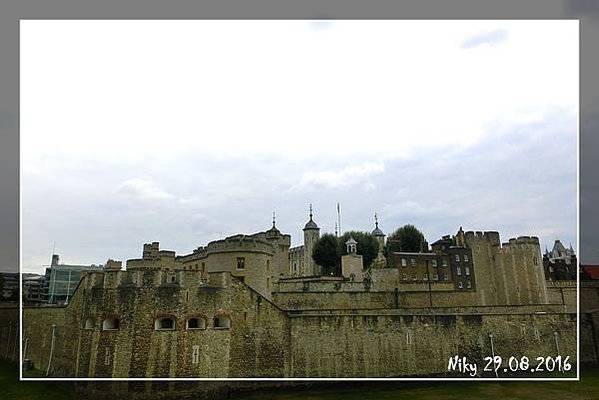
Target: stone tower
column 380, row 261
column 311, row 235
column 352, row 264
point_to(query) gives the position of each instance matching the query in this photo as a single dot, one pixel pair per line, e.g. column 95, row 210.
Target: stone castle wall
column 265, row 257
column 320, row 335
column 277, row 326
column 565, row 293
column 511, row 273
column 369, row 344
column 253, row 344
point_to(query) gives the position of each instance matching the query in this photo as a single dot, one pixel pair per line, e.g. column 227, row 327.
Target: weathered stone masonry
column 236, row 308
column 253, row 344
column 264, row 340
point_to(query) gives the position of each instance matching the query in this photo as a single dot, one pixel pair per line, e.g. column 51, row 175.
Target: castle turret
column 380, row 238
column 352, row 264
column 351, row 245
column 273, row 232
column 311, row 235
column 113, row 265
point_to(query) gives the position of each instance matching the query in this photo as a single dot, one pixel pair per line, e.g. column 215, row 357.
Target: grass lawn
column 12, row 389
column 587, row 389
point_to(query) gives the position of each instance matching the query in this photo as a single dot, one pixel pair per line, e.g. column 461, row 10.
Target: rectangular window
column 434, row 263
column 457, row 258
column 444, row 262
column 435, row 277
column 414, row 276
column 195, row 355
column 425, row 276
column 468, row 284
column 403, row 262
column 465, row 257
column 412, row 262
column 240, row 262
column 107, row 357
column 404, row 276
column 467, row 270
column 446, row 277
column 459, row 270
column 460, row 285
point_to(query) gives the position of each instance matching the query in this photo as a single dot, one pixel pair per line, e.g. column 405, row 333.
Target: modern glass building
column 61, row 280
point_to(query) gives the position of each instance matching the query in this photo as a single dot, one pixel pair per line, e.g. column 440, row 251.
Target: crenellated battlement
column 246, row 305
column 522, row 240
column 113, row 265
column 492, row 237
column 118, row 279
column 243, row 243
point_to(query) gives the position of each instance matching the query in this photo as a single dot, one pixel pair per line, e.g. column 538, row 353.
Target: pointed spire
column 377, row 231
column 274, row 231
column 311, row 224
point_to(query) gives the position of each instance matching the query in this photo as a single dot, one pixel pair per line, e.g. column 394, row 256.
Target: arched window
column 196, row 323
column 89, row 323
column 110, row 324
column 222, row 322
column 164, row 324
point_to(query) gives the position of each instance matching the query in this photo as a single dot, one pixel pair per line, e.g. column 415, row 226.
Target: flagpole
column 339, row 217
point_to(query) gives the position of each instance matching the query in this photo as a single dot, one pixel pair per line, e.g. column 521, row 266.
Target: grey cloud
column 521, row 182
column 518, row 180
column 485, row 38
column 320, row 25
column 144, row 189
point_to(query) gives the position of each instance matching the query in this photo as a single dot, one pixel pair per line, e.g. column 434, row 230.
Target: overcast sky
column 188, row 131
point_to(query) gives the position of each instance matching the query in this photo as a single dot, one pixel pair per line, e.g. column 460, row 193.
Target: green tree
column 407, row 238
column 367, row 246
column 326, row 254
